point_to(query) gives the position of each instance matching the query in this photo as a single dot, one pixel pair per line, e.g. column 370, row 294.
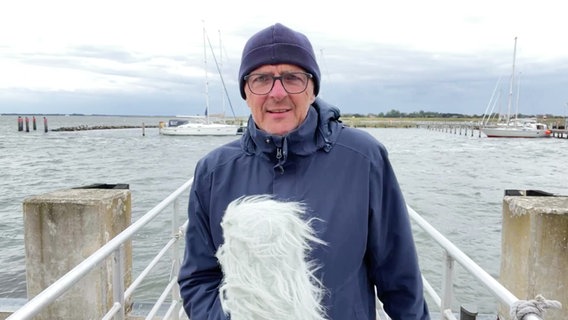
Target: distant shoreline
column 357, row 120
column 84, row 115
column 434, row 116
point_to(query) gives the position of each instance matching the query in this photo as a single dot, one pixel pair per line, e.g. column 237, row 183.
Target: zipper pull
column 279, row 158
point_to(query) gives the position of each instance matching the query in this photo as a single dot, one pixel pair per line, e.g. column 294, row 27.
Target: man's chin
column 280, row 129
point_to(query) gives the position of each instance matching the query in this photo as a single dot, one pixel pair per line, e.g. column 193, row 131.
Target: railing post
column 534, row 248
column 448, row 283
column 118, row 282
column 64, row 227
column 175, row 258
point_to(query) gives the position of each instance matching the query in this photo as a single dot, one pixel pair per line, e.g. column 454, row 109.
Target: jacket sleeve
column 200, row 274
column 391, row 253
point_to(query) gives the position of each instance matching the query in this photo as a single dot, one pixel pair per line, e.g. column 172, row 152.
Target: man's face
column 279, row 112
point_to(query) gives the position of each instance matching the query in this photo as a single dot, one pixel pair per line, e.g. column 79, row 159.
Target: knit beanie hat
column 275, row 45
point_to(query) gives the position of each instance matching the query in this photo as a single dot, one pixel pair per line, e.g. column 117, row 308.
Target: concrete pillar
column 64, row 227
column 534, row 252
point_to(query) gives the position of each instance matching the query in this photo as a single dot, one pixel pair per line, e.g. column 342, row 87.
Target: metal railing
column 451, row 255
column 115, row 249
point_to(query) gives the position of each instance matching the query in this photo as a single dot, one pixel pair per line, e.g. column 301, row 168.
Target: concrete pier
column 534, row 252
column 64, row 227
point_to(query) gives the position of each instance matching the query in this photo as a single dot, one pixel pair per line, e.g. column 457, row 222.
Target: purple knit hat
column 275, row 45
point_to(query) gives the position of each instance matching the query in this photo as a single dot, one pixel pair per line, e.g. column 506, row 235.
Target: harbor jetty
column 459, row 125
column 23, row 125
column 102, row 127
column 465, row 128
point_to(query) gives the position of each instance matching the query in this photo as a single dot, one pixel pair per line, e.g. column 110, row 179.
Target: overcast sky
column 147, row 57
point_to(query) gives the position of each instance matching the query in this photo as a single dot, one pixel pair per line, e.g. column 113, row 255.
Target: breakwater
column 102, row 127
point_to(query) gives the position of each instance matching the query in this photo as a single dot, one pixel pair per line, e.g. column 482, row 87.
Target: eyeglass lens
column 293, row 82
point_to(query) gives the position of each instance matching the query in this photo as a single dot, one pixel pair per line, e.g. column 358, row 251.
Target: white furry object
column 265, row 272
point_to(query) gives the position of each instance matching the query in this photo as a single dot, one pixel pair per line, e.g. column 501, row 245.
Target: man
column 296, row 149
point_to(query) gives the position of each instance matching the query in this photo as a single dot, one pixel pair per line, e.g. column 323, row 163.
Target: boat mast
column 510, row 100
column 206, row 76
column 221, row 76
column 517, row 99
column 221, row 71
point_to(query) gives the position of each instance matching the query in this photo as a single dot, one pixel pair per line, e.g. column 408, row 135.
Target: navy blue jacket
column 345, row 179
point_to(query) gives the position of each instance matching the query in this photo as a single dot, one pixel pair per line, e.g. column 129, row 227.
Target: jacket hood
column 319, row 130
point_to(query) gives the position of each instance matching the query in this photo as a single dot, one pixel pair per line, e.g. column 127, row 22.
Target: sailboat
column 514, row 127
column 201, row 125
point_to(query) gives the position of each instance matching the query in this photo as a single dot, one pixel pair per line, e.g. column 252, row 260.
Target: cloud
column 409, row 55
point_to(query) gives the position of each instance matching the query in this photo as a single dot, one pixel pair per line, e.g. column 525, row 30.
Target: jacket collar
column 319, row 130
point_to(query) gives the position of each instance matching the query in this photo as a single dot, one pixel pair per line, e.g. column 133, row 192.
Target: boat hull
column 515, row 133
column 200, row 130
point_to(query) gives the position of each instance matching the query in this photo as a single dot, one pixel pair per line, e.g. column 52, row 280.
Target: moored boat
column 197, row 127
column 511, row 126
column 518, row 128
column 202, row 125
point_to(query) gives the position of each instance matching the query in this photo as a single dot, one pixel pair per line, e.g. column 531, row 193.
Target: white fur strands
column 265, row 272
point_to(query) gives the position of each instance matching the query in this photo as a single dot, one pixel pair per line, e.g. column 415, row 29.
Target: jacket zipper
column 279, row 157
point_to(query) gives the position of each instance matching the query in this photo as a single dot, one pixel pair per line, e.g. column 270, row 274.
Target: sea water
column 455, row 181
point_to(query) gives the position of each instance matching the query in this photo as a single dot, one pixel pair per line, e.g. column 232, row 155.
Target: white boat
column 201, row 125
column 198, row 127
column 518, row 128
column 513, row 127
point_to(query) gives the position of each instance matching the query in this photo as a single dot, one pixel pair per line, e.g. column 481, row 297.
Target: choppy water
column 455, row 181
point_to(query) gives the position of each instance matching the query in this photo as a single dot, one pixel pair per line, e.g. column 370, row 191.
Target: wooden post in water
column 143, row 130
column 34, row 126
column 20, row 123
column 61, row 229
column 27, row 124
column 45, row 124
column 534, row 248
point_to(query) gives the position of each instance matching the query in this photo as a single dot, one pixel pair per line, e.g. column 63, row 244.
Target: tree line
column 429, row 114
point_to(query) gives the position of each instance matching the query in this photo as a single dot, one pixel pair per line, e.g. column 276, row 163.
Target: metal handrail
column 128, row 293
column 496, row 288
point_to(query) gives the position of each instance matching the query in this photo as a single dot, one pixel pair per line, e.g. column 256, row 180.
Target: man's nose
column 278, row 89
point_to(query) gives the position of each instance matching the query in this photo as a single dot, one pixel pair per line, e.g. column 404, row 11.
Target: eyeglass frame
column 280, row 77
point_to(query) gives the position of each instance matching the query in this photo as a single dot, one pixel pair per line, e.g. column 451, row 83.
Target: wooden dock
column 468, row 128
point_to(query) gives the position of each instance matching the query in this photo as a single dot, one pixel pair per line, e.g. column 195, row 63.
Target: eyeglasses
column 293, row 82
